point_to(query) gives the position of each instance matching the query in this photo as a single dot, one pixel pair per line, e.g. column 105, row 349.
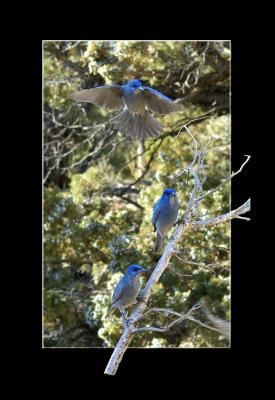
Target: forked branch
column 197, row 170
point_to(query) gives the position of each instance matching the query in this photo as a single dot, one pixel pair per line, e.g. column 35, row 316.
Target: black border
column 144, row 361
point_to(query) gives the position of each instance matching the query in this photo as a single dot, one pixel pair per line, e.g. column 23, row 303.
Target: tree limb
column 163, row 263
column 223, row 218
column 185, row 224
column 226, row 180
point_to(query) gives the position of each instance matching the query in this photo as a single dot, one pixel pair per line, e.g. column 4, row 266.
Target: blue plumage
column 136, row 101
column 126, row 290
column 165, row 214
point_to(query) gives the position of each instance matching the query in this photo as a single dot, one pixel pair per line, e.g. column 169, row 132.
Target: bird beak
column 141, row 88
column 174, row 194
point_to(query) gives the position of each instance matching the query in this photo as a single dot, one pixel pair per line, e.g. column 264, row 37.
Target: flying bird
column 136, row 101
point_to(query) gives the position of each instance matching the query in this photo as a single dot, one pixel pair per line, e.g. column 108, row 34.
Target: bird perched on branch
column 165, row 214
column 126, row 291
column 137, row 101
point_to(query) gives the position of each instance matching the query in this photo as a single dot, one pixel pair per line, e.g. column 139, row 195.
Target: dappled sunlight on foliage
column 97, row 218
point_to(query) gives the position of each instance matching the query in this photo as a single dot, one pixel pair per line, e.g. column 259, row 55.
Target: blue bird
column 136, row 101
column 165, row 214
column 126, row 291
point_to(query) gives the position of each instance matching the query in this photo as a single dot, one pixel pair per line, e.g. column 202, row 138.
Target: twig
column 178, row 274
column 223, row 218
column 72, row 46
column 209, row 327
column 167, row 311
column 128, row 333
column 194, row 263
column 146, row 169
column 245, row 218
column 164, row 261
column 131, row 202
column 181, row 317
column 226, row 180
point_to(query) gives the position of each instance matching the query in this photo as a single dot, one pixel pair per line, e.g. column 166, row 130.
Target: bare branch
column 72, row 46
column 225, row 333
column 220, row 325
column 208, row 266
column 146, row 169
column 82, row 71
column 130, row 201
column 167, row 311
column 128, row 333
column 177, row 273
column 99, row 147
column 245, row 218
column 226, row 180
column 223, row 218
column 181, row 317
column 138, row 313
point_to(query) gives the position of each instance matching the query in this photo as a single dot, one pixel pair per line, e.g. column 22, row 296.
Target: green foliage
column 93, row 229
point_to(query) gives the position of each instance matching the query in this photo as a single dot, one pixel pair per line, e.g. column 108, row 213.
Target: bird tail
column 159, row 244
column 137, row 126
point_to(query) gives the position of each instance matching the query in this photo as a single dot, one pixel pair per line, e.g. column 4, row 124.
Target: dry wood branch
column 185, row 224
column 181, row 317
column 146, row 169
column 223, row 218
column 245, row 218
column 220, row 325
column 167, row 311
column 102, row 144
column 225, row 333
column 208, row 266
column 226, row 180
column 128, row 333
column 177, row 273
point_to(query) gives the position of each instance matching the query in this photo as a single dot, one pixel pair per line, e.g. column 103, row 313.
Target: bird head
column 134, row 83
column 169, row 193
column 134, row 270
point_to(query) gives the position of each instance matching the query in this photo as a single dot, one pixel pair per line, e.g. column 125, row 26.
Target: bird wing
column 156, row 210
column 118, row 291
column 158, row 103
column 109, row 96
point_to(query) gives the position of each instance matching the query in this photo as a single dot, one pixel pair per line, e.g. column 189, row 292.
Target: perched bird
column 136, row 101
column 126, row 291
column 165, row 214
